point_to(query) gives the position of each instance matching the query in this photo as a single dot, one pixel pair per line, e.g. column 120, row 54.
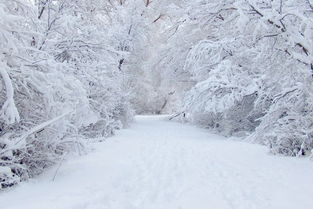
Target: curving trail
column 157, row 164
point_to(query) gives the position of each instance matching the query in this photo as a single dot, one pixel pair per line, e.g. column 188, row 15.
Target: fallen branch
column 178, row 114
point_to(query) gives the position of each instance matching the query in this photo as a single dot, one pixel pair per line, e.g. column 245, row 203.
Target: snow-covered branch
column 8, row 112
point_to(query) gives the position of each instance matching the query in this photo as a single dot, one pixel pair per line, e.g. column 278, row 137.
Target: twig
column 57, row 170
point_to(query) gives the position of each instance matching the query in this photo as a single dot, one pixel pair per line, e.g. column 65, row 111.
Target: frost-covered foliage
column 61, row 81
column 253, row 72
column 157, row 84
column 246, row 67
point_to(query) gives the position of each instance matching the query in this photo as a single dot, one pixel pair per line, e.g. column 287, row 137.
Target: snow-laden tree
column 34, row 89
column 61, row 81
column 273, row 47
column 250, row 65
column 96, row 59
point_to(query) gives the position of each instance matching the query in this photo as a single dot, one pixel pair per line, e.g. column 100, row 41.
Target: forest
column 75, row 72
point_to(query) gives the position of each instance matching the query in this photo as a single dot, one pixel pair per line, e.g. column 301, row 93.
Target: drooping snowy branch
column 8, row 112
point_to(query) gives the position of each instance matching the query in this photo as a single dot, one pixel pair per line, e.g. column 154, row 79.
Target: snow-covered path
column 158, row 164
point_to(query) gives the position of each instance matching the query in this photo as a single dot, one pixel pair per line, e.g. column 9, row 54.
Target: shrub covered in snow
column 247, row 68
column 266, row 87
column 60, row 82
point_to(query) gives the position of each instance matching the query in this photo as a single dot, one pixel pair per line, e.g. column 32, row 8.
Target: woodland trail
column 157, row 164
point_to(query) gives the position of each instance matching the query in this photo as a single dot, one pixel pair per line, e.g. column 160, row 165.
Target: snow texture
column 157, row 164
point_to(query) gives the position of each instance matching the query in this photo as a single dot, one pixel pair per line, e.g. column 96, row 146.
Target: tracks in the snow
column 157, row 164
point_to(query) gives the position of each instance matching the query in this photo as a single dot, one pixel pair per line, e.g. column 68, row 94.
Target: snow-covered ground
column 157, row 164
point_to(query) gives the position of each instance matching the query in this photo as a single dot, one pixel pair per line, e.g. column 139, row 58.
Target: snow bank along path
column 157, row 164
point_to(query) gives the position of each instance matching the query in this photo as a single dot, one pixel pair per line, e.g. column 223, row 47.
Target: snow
column 158, row 164
column 8, row 112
